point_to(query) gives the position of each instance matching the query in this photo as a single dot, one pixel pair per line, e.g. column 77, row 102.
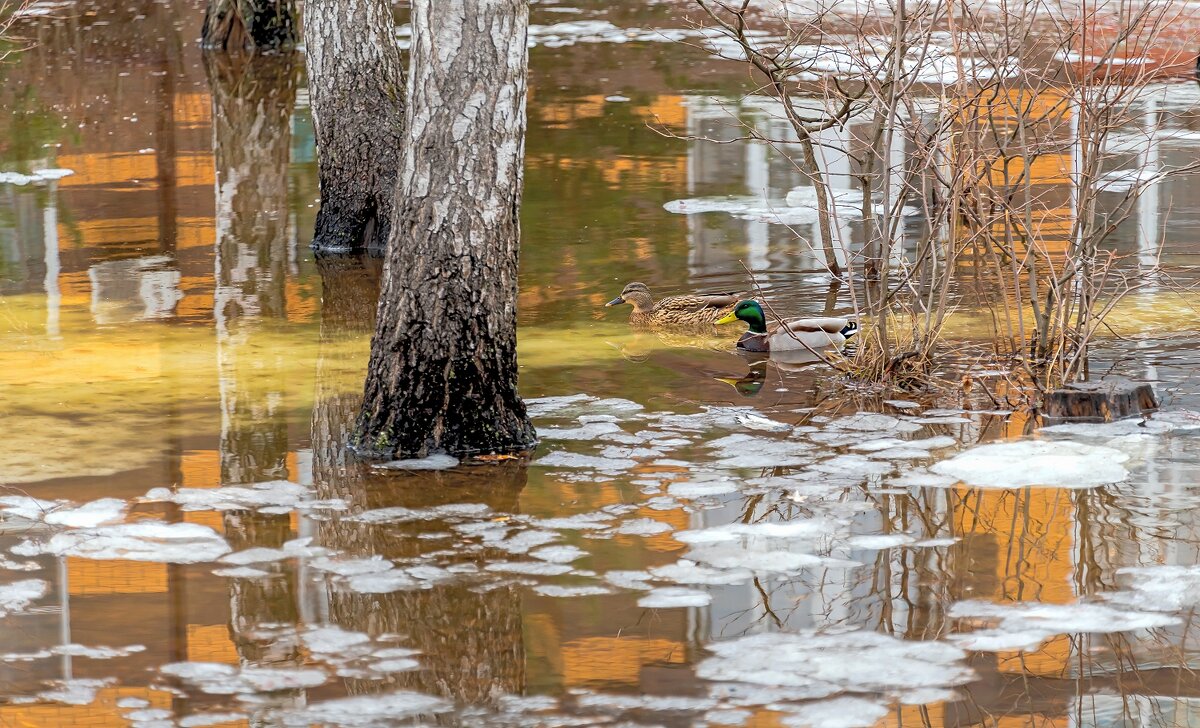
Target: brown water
column 753, row 554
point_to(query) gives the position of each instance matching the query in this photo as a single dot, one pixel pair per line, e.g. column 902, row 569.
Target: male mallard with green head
column 789, row 334
column 696, row 311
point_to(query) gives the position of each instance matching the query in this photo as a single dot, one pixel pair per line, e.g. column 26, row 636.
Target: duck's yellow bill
column 727, row 319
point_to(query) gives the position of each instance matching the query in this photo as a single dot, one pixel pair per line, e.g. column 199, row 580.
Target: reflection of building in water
column 722, row 162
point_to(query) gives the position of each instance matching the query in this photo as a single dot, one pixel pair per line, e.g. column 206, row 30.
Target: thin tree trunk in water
column 249, row 24
column 356, row 87
column 443, row 369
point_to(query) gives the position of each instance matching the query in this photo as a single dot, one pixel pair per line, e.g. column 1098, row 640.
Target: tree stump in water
column 1103, row 401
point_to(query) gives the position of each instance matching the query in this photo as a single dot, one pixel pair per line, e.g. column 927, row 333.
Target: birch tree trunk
column 356, row 87
column 443, row 368
column 249, row 24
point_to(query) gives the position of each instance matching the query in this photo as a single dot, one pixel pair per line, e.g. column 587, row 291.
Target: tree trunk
column 443, row 368
column 356, row 87
column 249, row 24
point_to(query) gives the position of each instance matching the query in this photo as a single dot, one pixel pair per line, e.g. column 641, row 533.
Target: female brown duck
column 675, row 312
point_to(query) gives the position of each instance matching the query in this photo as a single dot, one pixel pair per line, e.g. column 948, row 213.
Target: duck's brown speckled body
column 691, row 312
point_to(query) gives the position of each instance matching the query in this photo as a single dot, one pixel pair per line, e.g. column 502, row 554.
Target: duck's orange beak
column 616, row 301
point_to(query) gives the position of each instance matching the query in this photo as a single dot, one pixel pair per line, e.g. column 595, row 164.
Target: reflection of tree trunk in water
column 349, row 292
column 252, row 105
column 356, row 90
column 831, row 296
column 471, row 642
column 249, row 24
column 443, row 369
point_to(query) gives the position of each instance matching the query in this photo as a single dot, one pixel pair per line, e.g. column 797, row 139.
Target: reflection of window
column 134, row 290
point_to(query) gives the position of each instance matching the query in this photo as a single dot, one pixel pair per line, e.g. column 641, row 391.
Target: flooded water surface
column 701, row 538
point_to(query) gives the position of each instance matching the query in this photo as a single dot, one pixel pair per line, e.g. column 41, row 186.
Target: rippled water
column 701, row 538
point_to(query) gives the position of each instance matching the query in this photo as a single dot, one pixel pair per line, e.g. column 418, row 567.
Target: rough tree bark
column 249, row 24
column 443, row 368
column 356, row 87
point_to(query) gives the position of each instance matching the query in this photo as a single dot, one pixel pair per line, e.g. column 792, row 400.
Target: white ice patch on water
column 80, row 691
column 262, row 555
column 1023, row 463
column 642, row 527
column 559, row 554
column 578, row 522
column 219, row 679
column 37, row 175
column 748, row 451
column 588, row 432
column 1025, row 625
column 27, row 508
column 815, row 665
column 1167, row 588
column 564, row 459
column 99, row 652
column 173, row 543
column 673, row 597
column 275, row 493
column 686, row 571
column 365, row 710
column 799, row 208
column 400, row 514
column 553, row 590
column 629, row 579
column 17, row 596
column 440, row 461
column 880, row 542
column 95, row 513
column 847, row 712
column 702, row 488
column 532, row 568
column 805, row 529
column 202, row 720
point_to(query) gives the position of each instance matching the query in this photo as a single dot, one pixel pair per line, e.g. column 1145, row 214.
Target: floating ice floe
column 636, row 580
column 95, row 513
column 364, row 710
column 355, row 654
column 99, row 652
column 17, row 596
column 1025, row 625
column 400, row 514
column 589, row 432
column 558, row 554
column 847, row 712
column 532, row 568
column 758, row 209
column 281, row 494
column 673, row 597
column 296, row 548
column 174, row 543
column 1166, row 588
column 554, row 590
column 1057, row 463
column 642, row 527
column 439, row 461
column 810, row 665
column 683, row 571
column 880, row 542
column 34, row 177
column 702, row 487
column 216, row 678
column 79, row 691
column 201, row 720
column 563, row 459
column 749, row 451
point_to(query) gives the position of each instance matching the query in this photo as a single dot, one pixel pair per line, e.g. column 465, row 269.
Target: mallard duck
column 805, row 334
column 696, row 311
